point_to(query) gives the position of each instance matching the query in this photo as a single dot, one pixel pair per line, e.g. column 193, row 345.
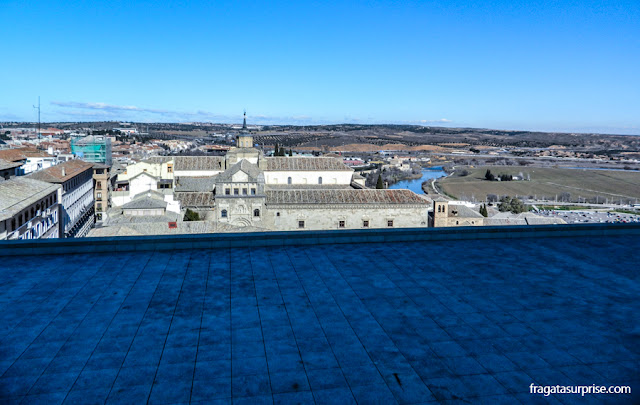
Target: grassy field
column 547, row 182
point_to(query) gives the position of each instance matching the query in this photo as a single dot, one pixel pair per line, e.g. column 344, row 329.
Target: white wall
column 35, row 164
column 76, row 201
column 342, row 177
column 155, row 169
column 197, row 173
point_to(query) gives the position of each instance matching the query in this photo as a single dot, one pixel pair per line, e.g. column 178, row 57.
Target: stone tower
column 440, row 212
column 245, row 139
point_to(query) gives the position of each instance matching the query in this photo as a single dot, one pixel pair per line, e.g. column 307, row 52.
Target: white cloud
column 440, row 121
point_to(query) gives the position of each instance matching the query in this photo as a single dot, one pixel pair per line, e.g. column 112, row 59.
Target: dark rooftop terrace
column 469, row 321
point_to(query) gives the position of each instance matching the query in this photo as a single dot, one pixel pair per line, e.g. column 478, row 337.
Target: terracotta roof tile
column 305, row 164
column 54, row 174
column 345, row 196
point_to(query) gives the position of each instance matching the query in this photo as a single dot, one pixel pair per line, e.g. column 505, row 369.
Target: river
column 416, row 185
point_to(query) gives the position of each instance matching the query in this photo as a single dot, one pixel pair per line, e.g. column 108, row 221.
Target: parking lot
column 573, row 217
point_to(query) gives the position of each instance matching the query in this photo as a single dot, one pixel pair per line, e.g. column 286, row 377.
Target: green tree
column 489, row 176
column 505, row 204
column 517, row 206
column 513, row 205
column 191, row 215
column 379, row 183
column 276, row 152
column 483, row 210
column 290, row 152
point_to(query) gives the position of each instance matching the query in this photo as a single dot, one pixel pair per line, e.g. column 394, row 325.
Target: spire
column 244, row 123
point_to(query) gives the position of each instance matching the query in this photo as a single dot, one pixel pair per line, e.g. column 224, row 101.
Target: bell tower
column 440, row 212
column 245, row 139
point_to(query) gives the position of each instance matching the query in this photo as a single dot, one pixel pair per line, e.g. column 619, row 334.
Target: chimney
column 64, row 172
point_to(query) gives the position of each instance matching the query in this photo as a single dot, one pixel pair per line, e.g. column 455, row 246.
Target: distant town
column 70, row 180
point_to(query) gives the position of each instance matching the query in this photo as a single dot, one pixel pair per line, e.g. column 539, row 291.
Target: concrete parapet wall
column 255, row 239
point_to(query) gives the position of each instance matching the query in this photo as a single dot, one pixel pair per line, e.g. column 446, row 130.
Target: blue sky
column 539, row 65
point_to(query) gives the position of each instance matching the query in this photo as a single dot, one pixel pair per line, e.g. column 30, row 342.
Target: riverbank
column 415, row 184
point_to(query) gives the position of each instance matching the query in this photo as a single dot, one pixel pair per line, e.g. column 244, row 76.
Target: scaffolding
column 92, row 148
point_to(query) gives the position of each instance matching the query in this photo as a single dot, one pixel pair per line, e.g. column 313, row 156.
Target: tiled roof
column 544, row 221
column 504, row 221
column 243, row 166
column 18, row 193
column 463, row 211
column 5, row 164
column 308, row 187
column 54, row 174
column 352, row 196
column 154, row 228
column 305, row 164
column 116, row 217
column 145, row 202
column 16, row 154
column 198, row 163
column 195, row 199
column 186, row 184
column 158, row 159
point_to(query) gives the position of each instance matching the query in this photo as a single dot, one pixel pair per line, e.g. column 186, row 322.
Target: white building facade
column 29, row 209
column 76, row 195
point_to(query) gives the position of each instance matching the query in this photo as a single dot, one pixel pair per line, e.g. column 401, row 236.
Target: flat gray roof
column 401, row 322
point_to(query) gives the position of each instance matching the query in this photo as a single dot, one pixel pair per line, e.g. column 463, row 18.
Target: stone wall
column 326, row 217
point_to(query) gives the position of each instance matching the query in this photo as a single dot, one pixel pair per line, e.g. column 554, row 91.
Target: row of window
column 74, row 182
column 290, row 180
column 236, row 191
column 29, row 214
column 225, row 214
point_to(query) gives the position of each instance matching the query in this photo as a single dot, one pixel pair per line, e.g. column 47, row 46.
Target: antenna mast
column 38, row 107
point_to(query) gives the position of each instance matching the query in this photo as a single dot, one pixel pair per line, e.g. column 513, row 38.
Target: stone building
column 101, row 189
column 446, row 214
column 319, row 209
column 245, row 190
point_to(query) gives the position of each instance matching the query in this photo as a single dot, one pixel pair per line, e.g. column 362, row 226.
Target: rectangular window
column 169, row 168
column 253, row 191
column 236, row 191
column 390, row 223
column 244, row 191
column 365, row 224
column 99, row 184
column 99, row 208
column 227, row 191
column 340, row 224
column 99, row 196
column 300, row 224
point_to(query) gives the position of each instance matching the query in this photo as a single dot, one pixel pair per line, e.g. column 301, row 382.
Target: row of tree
column 502, row 177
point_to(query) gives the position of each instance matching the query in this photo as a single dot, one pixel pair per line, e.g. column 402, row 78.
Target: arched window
column 223, row 213
column 319, row 180
column 289, row 180
column 256, row 212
